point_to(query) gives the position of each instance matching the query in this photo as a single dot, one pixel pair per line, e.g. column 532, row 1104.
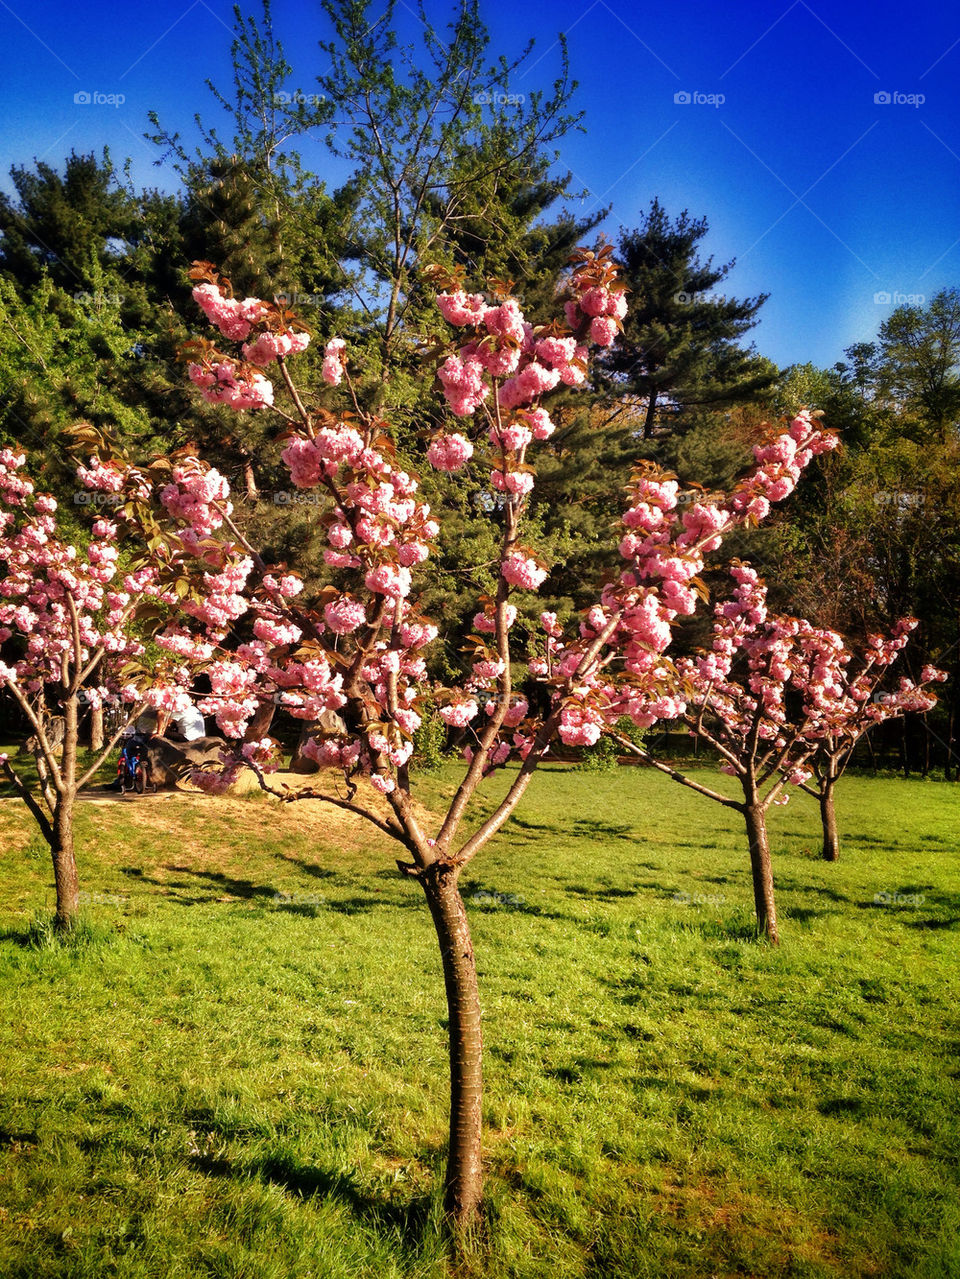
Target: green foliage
column 429, row 741
column 604, row 756
column 601, row 758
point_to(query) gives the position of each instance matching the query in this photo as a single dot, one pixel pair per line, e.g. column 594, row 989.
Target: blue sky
column 821, row 141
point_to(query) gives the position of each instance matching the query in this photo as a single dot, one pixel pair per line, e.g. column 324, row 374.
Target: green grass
column 238, row 1067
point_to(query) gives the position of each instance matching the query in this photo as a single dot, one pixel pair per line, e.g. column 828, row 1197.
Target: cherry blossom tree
column 772, row 695
column 358, row 648
column 68, row 634
column 850, row 700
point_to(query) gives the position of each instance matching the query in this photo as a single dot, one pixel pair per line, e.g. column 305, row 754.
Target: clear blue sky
column 825, row 195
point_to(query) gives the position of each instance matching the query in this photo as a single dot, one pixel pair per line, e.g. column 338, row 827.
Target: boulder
column 170, row 762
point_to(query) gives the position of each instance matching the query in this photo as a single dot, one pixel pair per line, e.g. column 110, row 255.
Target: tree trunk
column 96, row 728
column 464, row 1178
column 873, row 754
column 828, row 816
column 650, row 416
column 762, row 869
column 65, row 866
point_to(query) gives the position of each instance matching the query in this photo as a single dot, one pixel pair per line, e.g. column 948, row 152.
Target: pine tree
column 679, row 349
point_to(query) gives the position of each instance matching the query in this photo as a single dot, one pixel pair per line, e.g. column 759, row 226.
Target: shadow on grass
column 220, row 886
column 18, row 1139
column 310, row 868
column 804, row 914
column 737, row 928
column 592, row 826
column 213, row 880
column 391, row 1215
column 787, row 884
column 600, row 894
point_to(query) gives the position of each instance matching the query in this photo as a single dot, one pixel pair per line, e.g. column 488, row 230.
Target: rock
column 170, row 762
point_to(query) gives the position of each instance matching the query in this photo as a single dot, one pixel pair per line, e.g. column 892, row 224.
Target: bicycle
column 133, row 767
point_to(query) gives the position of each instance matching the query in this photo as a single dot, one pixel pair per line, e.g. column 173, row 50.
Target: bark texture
column 828, row 818
column 762, row 868
column 464, row 1177
column 65, row 867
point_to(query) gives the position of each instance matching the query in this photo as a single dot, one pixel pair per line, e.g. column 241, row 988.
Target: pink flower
column 463, row 384
column 517, row 483
column 461, row 308
column 505, row 321
column 531, row 382
column 486, row 670
column 520, row 570
column 449, row 452
column 594, row 302
column 459, row 714
column 603, row 330
column 271, row 346
column 303, row 462
column 556, row 351
column 333, row 362
column 344, row 615
column 579, row 726
column 539, row 421
column 389, row 579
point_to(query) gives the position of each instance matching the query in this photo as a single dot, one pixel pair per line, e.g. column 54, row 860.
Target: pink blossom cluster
column 458, row 714
column 774, row 689
column 232, row 317
column 55, row 597
column 523, row 571
column 334, row 365
column 664, row 545
column 199, row 496
column 225, row 382
column 449, row 452
column 367, row 638
column 274, row 346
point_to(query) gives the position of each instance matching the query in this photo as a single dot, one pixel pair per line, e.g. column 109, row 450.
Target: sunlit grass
column 238, row 1067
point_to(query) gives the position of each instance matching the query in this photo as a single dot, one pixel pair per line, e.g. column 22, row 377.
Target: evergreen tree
column 68, row 224
column 679, row 349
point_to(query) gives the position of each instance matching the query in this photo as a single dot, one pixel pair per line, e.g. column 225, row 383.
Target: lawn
column 239, row 1066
